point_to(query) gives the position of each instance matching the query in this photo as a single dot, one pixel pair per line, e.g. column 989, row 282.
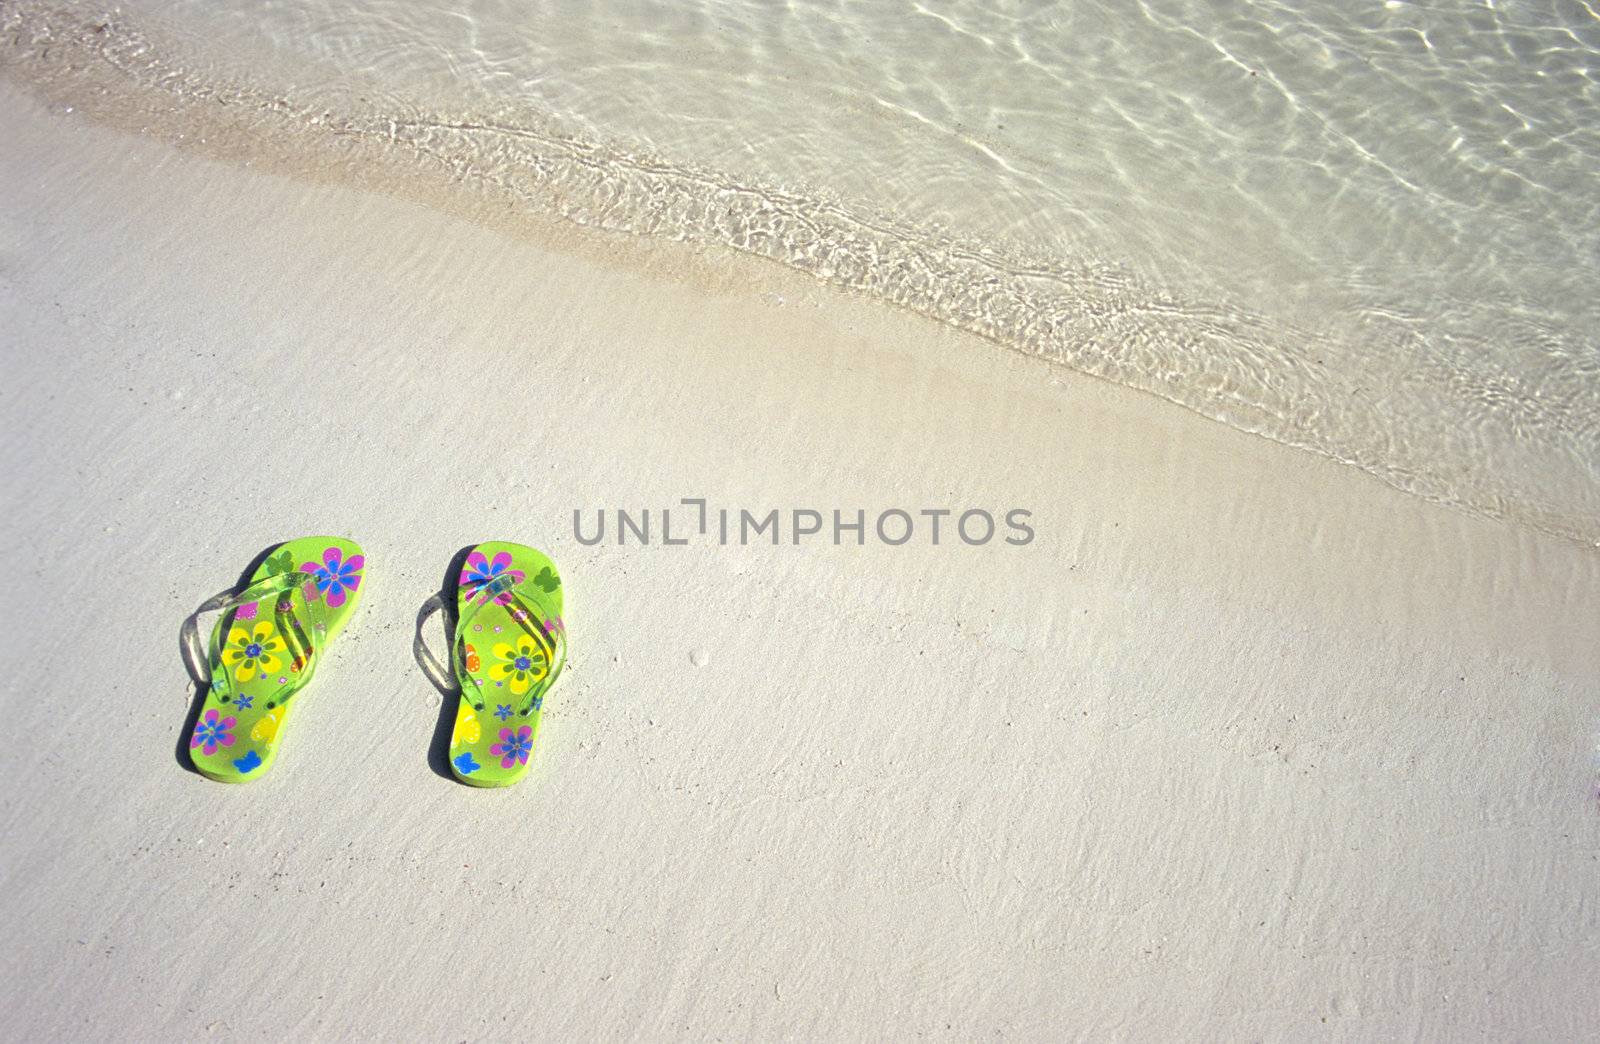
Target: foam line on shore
column 1530, row 459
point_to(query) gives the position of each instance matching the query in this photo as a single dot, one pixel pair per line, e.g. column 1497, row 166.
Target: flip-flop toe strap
column 530, row 666
column 277, row 623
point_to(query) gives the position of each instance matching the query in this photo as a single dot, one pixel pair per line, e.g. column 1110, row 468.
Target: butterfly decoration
column 266, row 730
column 547, row 580
column 467, row 729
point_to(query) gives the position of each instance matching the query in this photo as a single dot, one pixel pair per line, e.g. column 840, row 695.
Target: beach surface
column 1243, row 744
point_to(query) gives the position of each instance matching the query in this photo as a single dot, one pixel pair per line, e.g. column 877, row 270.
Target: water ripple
column 1366, row 232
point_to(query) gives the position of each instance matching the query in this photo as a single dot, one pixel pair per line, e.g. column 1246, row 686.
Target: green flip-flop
column 509, row 647
column 265, row 648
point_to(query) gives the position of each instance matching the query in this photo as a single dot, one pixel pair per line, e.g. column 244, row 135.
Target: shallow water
column 1367, row 231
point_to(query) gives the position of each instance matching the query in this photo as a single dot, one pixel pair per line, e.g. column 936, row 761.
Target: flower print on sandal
column 266, row 647
column 509, row 647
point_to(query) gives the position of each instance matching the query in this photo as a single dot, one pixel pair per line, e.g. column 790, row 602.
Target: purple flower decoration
column 481, row 578
column 514, row 747
column 335, row 575
column 210, row 732
column 243, row 702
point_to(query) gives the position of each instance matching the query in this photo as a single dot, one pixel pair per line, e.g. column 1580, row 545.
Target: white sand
column 1245, row 744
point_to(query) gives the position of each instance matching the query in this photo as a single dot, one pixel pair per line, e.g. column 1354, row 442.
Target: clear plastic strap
column 299, row 612
column 530, row 614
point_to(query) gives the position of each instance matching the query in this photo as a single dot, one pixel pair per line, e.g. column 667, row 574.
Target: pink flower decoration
column 210, row 732
column 514, row 747
column 335, row 576
column 482, row 577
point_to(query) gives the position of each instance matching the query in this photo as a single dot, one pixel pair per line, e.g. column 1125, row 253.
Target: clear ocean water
column 1368, row 230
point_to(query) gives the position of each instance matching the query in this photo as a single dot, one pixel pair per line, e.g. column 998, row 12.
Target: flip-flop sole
column 505, row 665
column 240, row 726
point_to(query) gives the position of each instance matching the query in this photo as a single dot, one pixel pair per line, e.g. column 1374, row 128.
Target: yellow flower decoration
column 266, row 729
column 524, row 664
column 253, row 652
column 467, row 729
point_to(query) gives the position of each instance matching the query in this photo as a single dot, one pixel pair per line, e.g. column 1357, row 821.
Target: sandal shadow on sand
column 509, row 647
column 265, row 649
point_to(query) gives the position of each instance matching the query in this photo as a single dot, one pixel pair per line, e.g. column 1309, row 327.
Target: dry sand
column 1244, row 744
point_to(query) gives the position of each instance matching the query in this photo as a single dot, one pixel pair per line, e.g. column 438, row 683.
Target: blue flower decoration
column 538, row 702
column 503, row 711
column 249, row 763
column 466, row 763
column 244, row 702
